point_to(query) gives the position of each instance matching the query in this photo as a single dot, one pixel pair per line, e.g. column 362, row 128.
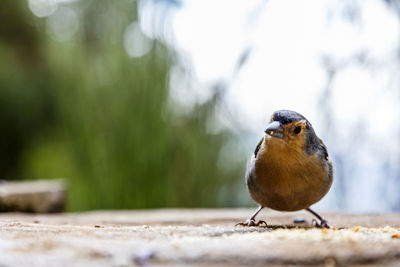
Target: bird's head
column 293, row 129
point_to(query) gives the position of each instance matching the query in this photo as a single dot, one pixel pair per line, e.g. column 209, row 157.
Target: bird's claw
column 322, row 224
column 251, row 222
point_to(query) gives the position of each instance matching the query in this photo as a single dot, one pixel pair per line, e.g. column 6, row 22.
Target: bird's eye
column 297, row 130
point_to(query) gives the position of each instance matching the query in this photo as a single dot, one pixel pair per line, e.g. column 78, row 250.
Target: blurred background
column 159, row 103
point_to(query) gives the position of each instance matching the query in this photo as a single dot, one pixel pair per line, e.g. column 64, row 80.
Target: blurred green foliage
column 83, row 110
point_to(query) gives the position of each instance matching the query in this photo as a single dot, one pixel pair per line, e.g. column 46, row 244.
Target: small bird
column 290, row 169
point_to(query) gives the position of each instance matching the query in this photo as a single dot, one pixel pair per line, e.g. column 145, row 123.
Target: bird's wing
column 258, row 147
column 324, row 150
column 325, row 154
column 250, row 165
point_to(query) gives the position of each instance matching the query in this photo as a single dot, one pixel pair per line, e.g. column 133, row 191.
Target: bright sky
column 289, row 39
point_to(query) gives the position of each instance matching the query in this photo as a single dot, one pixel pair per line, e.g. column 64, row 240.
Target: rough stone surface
column 196, row 237
column 42, row 196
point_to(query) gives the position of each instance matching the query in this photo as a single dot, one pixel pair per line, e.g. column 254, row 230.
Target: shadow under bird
column 290, row 169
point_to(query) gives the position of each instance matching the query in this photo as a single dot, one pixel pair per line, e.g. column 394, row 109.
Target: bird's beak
column 275, row 129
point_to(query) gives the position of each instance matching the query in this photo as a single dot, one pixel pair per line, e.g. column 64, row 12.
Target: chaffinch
column 290, row 169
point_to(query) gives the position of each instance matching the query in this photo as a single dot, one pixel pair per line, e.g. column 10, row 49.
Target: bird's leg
column 323, row 223
column 252, row 221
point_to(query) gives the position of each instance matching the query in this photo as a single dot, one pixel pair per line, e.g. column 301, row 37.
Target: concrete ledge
column 42, row 196
column 195, row 237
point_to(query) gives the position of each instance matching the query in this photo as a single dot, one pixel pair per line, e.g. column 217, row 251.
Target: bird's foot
column 322, row 224
column 252, row 222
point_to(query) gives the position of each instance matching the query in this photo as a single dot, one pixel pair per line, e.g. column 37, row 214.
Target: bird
column 290, row 169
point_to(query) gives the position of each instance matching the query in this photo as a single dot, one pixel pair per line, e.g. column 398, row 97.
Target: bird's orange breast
column 286, row 178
